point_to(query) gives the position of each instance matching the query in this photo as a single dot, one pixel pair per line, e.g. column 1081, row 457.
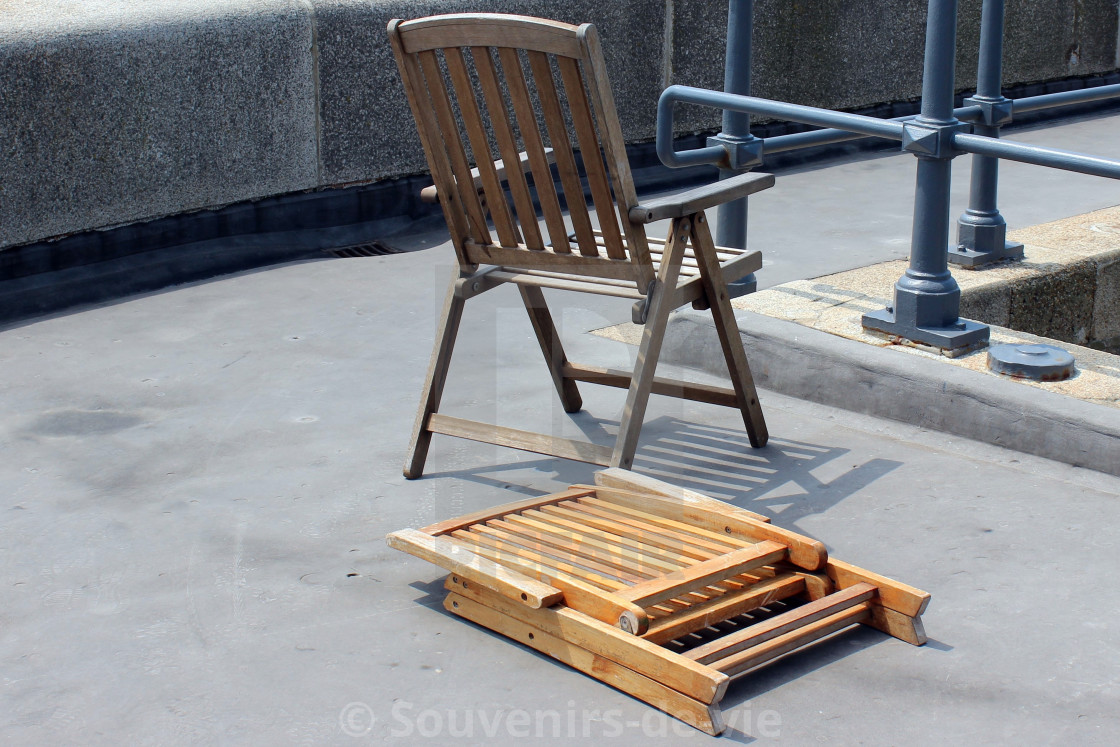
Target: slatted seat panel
column 485, row 88
column 666, row 594
column 730, row 619
column 627, row 551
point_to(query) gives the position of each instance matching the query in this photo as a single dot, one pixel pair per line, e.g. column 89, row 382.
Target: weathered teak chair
column 661, row 592
column 478, row 80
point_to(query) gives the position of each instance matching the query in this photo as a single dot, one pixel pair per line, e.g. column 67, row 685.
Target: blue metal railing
column 927, row 298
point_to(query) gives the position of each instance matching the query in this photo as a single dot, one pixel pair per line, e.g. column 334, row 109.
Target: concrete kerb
column 809, row 364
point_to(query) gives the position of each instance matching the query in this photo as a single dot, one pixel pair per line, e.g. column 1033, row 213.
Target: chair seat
column 735, row 263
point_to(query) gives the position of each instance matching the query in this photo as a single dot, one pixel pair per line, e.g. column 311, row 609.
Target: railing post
column 981, row 230
column 743, row 150
column 927, row 298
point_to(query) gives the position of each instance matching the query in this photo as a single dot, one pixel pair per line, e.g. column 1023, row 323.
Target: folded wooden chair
column 661, row 592
column 479, row 81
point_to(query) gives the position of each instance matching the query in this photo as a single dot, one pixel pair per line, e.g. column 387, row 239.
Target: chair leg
column 437, row 378
column 729, row 339
column 653, row 334
column 553, row 350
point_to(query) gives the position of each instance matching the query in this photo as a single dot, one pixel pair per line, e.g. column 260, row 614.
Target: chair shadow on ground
column 778, row 481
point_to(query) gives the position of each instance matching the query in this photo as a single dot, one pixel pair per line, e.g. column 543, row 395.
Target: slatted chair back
column 483, row 88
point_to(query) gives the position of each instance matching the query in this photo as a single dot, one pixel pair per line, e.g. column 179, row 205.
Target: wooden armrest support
column 430, row 194
column 701, row 198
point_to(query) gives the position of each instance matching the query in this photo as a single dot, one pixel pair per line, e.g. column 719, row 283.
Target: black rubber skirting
column 95, row 266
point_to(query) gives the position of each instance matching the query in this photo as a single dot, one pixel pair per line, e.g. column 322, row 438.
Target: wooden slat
column 574, row 526
column 570, row 283
column 449, row 131
column 539, row 443
column 783, row 644
column 892, row 594
column 703, row 716
column 562, row 149
column 719, row 543
column 734, row 603
column 656, row 541
column 639, row 561
column 508, row 550
column 480, row 145
column 479, row 517
column 579, row 593
column 778, row 625
column 686, row 549
column 587, row 279
column 484, row 547
column 588, row 141
column 657, row 245
column 534, row 148
column 702, row 574
column 507, row 146
column 635, row 483
column 489, row 30
column 657, row 248
column 614, row 148
column 644, row 555
column 619, row 554
column 714, row 395
column 736, row 269
column 805, row 553
column 503, row 551
column 483, row 571
column 493, row 254
column 639, row 654
column 689, row 544
column 430, row 139
column 610, row 561
column 534, row 549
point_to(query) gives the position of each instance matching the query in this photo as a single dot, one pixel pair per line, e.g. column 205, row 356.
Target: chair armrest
column 701, row 198
column 430, row 194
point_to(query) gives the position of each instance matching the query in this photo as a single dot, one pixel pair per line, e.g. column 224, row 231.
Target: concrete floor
column 197, row 483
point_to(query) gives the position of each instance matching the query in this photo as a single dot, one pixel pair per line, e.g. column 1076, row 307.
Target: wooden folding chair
column 480, row 81
column 661, row 592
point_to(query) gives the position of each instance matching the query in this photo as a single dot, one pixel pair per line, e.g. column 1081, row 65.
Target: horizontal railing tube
column 886, row 128
column 833, row 133
column 1065, row 98
column 752, row 105
column 1037, row 155
column 829, row 136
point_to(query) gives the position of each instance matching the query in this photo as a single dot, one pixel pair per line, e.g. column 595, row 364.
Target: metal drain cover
column 375, row 248
column 1038, row 362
